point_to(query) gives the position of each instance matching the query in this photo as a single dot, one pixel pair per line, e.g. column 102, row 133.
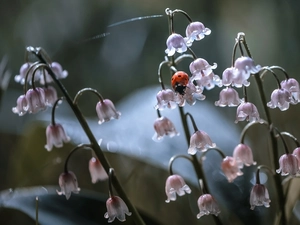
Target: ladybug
column 179, row 82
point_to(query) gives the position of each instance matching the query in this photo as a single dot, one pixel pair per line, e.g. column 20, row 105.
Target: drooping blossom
column 97, row 171
column 50, row 95
column 106, row 111
column 68, row 184
column 196, row 31
column 280, row 98
column 207, row 205
column 176, row 184
column 163, row 126
column 228, row 97
column 166, row 98
column 243, row 155
column 36, row 100
column 228, row 77
column 247, row 111
column 116, row 208
column 292, row 86
column 56, row 136
column 244, row 67
column 57, row 70
column 259, row 196
column 203, row 74
column 296, row 153
column 175, row 43
column 289, row 165
column 20, row 78
column 230, row 168
column 193, row 93
column 22, row 106
column 200, row 141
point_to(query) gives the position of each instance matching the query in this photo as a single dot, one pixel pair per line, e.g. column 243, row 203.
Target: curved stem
column 245, row 93
column 110, row 175
column 193, row 121
column 160, row 80
column 233, row 53
column 221, row 153
column 265, row 70
column 281, row 69
column 183, row 56
column 27, row 75
column 176, row 157
column 94, row 144
column 184, row 13
column 258, row 170
column 37, row 67
column 282, row 139
column 246, row 128
column 79, row 93
column 158, row 113
column 81, row 146
column 192, row 52
column 53, row 110
column 291, row 136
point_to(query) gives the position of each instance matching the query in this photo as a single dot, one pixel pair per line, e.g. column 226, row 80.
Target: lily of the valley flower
column 292, row 86
column 259, row 196
column 175, row 43
column 106, row 111
column 296, row 153
column 193, row 93
column 228, row 97
column 176, row 184
column 55, row 136
column 163, row 126
column 116, row 208
column 50, row 95
column 289, row 165
column 207, row 205
column 196, row 31
column 22, row 106
column 203, row 74
column 200, row 141
column 36, row 100
column 57, row 70
column 230, row 168
column 243, row 155
column 280, row 98
column 244, row 67
column 166, row 98
column 247, row 111
column 20, row 78
column 97, row 171
column 68, row 184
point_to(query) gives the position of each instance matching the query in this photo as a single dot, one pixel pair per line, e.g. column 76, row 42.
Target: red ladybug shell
column 179, row 82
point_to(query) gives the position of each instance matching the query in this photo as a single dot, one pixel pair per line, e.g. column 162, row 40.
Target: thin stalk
column 94, row 144
column 273, row 142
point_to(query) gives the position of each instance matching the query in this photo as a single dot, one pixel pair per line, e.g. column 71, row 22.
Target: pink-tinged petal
column 36, row 100
column 280, row 98
column 55, row 135
column 175, row 43
column 292, row 86
column 68, row 184
column 166, row 99
column 106, row 111
column 116, row 208
column 97, row 171
column 259, row 196
column 296, row 153
column 207, row 205
column 228, row 97
column 196, row 31
column 289, row 165
column 176, row 184
column 243, row 155
column 247, row 111
column 50, row 95
column 230, row 168
column 163, row 126
column 22, row 106
column 200, row 141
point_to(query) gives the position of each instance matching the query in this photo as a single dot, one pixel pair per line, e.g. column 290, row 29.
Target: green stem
column 94, row 144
